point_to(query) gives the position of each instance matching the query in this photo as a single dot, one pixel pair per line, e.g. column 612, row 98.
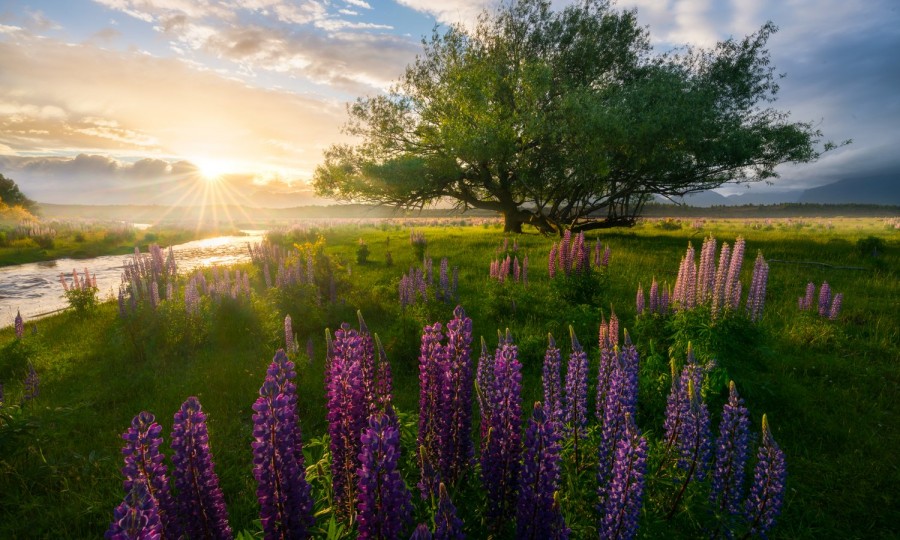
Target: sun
column 211, row 169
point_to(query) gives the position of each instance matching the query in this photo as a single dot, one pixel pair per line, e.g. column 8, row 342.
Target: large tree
column 565, row 119
column 12, row 196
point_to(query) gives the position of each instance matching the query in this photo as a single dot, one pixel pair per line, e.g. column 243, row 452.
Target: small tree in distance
column 565, row 120
column 12, row 196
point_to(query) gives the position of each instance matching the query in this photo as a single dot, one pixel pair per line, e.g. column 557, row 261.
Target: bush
column 82, row 300
column 362, row 252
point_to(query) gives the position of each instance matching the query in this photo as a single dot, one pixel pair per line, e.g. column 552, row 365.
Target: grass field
column 829, row 388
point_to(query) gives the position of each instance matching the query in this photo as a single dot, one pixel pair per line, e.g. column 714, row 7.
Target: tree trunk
column 512, row 223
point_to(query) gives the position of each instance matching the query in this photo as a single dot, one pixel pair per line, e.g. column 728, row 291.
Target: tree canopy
column 565, row 119
column 12, row 196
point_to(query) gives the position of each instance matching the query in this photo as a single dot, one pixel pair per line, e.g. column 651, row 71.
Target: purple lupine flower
column 144, row 463
column 620, row 403
column 154, row 294
column 767, row 491
column 432, row 375
column 421, row 533
column 622, row 507
column 278, row 462
column 288, row 334
column 706, row 276
column 835, row 309
column 824, row 299
column 200, row 502
column 597, row 253
column 484, row 383
column 20, row 325
column 604, row 262
column 447, row 526
column 576, row 389
column 384, row 502
column 458, row 449
column 367, row 366
column 444, row 281
column 517, row 269
column 384, row 380
column 552, row 383
column 136, row 518
column 718, row 296
column 32, row 384
column 500, row 457
column 551, row 264
column 731, row 454
column 346, row 417
column 565, row 252
column 807, row 301
column 639, row 300
column 653, row 301
column 525, row 270
column 756, row 298
column 613, row 334
column 732, row 281
column 537, row 515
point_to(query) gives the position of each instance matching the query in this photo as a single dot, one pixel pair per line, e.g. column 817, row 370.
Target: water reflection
column 34, row 288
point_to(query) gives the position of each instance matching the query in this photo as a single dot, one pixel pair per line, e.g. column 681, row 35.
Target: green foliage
column 566, row 118
column 82, row 300
column 12, row 196
column 362, row 252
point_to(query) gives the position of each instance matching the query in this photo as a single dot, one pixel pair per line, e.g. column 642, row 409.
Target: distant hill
column 872, row 190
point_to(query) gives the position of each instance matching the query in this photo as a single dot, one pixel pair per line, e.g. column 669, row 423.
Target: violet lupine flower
column 576, row 388
column 613, row 334
column 756, row 298
column 136, row 518
column 288, row 334
column 537, row 515
column 824, row 299
column 767, row 491
column 144, row 464
column 597, row 253
column 278, row 462
column 32, row 384
column 20, row 325
column 444, row 281
column 525, row 270
column 604, row 262
column 154, row 294
column 835, row 309
column 810, row 294
column 653, row 301
column 447, row 526
column 551, row 265
column 639, row 300
column 346, row 417
column 718, row 295
column 421, row 533
column 551, row 380
column 732, row 281
column 517, row 269
column 200, row 502
column 500, row 458
column 384, row 502
column 367, row 366
column 384, row 380
column 620, row 402
column 706, row 276
column 731, row 454
column 432, row 375
column 622, row 506
column 457, row 450
column 484, row 383
column 565, row 252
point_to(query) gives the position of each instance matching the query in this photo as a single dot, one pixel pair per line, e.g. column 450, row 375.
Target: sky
column 234, row 101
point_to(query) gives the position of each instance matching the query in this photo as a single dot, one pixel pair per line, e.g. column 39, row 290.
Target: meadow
column 829, row 387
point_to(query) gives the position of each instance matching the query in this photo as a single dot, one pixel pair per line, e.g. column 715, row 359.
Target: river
column 34, row 288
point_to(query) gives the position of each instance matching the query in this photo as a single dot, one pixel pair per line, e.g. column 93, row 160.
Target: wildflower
column 288, row 335
column 144, row 464
column 200, row 501
column 756, row 298
column 835, row 308
column 767, row 490
column 384, row 502
column 20, row 325
column 537, row 515
column 447, row 526
column 551, row 382
column 824, row 299
column 137, row 517
column 32, row 384
column 576, row 389
column 278, row 462
column 500, row 457
column 731, row 454
column 421, row 533
column 622, row 506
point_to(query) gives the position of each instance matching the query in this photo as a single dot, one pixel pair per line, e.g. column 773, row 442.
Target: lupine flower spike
column 200, row 502
column 20, row 325
column 447, row 526
column 623, row 503
column 767, row 491
column 537, row 514
column 731, row 455
column 421, row 533
column 136, row 518
column 384, row 501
